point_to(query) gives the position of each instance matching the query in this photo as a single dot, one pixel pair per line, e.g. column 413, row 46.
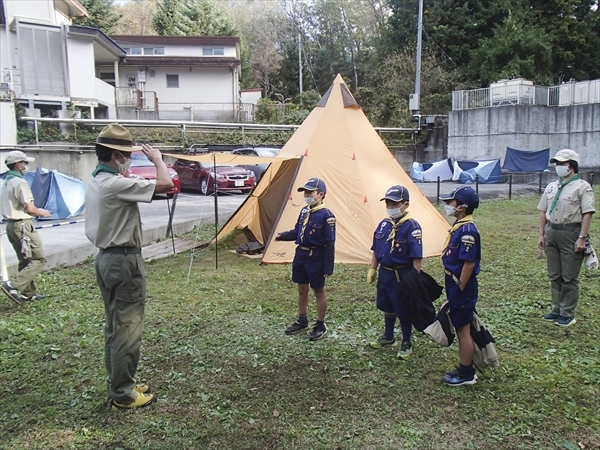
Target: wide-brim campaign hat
column 565, row 155
column 397, row 194
column 116, row 137
column 17, row 156
column 314, row 184
column 464, row 195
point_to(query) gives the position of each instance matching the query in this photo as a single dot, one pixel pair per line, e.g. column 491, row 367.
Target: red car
column 142, row 167
column 199, row 176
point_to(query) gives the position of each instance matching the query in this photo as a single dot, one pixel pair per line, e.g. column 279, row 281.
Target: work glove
column 371, row 276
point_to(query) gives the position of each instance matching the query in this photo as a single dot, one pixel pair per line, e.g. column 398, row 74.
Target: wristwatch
column 582, row 237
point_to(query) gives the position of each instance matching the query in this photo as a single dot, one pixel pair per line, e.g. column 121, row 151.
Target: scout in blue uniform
column 397, row 246
column 314, row 234
column 461, row 257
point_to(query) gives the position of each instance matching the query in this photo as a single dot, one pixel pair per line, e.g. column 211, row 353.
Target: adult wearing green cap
column 566, row 209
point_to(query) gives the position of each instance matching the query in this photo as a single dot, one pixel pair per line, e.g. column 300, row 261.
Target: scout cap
column 116, row 137
column 396, row 194
column 314, row 184
column 17, row 156
column 464, row 195
column 565, row 155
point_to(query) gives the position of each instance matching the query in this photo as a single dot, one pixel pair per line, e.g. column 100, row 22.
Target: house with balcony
column 50, row 64
column 187, row 78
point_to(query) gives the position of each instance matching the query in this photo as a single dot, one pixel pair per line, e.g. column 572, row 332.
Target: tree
column 191, row 18
column 102, row 14
column 136, row 18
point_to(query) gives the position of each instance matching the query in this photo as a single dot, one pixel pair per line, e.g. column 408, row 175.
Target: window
column 107, row 76
column 159, row 50
column 148, row 51
column 136, row 50
column 213, row 51
column 172, row 81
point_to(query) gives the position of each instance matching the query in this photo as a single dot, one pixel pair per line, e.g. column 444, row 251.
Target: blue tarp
column 60, row 194
column 526, row 161
column 488, row 171
column 422, row 172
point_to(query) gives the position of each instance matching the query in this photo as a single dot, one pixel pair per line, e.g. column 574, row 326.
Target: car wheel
column 204, row 189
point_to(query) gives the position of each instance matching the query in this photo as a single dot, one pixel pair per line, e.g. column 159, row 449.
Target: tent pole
column 216, row 193
column 171, row 210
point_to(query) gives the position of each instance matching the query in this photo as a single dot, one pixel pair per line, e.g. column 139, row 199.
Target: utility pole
column 300, row 63
column 415, row 99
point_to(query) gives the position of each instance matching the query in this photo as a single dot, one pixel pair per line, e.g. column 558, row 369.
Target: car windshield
column 266, row 153
column 140, row 160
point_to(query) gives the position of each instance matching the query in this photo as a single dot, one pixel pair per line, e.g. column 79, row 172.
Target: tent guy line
column 59, row 224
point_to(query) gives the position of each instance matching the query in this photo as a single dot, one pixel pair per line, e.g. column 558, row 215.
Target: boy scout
column 461, row 257
column 314, row 234
column 566, row 209
column 113, row 225
column 396, row 247
column 17, row 210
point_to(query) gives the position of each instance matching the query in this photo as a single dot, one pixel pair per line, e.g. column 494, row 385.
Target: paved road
column 67, row 244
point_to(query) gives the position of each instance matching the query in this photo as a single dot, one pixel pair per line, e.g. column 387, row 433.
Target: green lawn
column 228, row 378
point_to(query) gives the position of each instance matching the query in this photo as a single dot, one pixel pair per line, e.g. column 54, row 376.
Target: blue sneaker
column 455, row 378
column 565, row 321
column 550, row 317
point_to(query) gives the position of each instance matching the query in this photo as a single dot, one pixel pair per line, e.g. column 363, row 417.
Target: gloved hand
column 371, row 276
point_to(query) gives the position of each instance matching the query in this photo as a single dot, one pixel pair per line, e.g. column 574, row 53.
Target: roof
column 99, row 38
column 177, row 40
column 161, row 61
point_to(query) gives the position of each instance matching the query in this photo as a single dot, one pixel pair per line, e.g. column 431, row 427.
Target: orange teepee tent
column 337, row 143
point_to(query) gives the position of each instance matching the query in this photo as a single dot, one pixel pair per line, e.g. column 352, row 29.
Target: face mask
column 394, row 213
column 450, row 210
column 562, row 171
column 25, row 169
column 123, row 167
column 310, row 200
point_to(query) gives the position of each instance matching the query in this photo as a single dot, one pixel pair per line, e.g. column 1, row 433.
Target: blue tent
column 488, row 171
column 60, row 194
column 526, row 161
column 422, row 172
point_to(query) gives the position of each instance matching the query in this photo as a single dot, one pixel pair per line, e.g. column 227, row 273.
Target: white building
column 48, row 63
column 178, row 78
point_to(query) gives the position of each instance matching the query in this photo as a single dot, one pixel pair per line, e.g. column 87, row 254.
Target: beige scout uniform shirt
column 16, row 194
column 576, row 199
column 112, row 217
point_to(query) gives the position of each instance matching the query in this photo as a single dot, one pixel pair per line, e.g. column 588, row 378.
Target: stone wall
column 485, row 133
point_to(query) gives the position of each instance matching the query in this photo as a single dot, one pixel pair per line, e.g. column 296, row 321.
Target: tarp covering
column 62, row 195
column 424, row 172
column 526, row 161
column 465, row 172
column 338, row 144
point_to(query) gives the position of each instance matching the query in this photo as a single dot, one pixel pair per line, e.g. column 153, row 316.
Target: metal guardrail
column 218, row 112
column 571, row 93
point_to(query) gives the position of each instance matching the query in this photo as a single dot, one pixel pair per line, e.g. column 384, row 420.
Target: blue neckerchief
column 104, row 168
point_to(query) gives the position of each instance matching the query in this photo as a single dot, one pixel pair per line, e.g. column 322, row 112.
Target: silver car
column 265, row 152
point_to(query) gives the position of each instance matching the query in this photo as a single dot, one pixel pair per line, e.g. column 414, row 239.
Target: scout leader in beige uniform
column 113, row 224
column 17, row 210
column 566, row 209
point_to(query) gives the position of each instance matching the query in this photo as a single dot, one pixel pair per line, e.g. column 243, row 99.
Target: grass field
column 228, row 378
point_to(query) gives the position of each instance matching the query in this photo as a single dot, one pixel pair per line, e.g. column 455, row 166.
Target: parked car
column 200, row 176
column 142, row 167
column 258, row 169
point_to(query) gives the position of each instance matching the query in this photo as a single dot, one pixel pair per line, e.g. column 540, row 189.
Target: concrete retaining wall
column 485, row 133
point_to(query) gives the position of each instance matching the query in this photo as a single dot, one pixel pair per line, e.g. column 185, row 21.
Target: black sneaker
column 296, row 328
column 37, row 297
column 550, row 317
column 14, row 295
column 317, row 333
column 455, row 378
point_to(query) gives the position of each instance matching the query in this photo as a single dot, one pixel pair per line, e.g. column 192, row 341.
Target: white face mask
column 25, row 169
column 562, row 171
column 123, row 167
column 394, row 213
column 310, row 200
column 450, row 210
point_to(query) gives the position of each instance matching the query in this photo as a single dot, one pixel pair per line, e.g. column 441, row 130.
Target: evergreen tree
column 102, row 14
column 191, row 18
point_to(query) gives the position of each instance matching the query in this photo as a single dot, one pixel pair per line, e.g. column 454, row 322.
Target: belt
column 395, row 270
column 565, row 226
column 17, row 220
column 454, row 277
column 122, row 250
column 310, row 249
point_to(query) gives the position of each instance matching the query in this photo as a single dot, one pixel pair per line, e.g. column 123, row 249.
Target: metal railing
column 127, row 97
column 208, row 112
column 571, row 93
